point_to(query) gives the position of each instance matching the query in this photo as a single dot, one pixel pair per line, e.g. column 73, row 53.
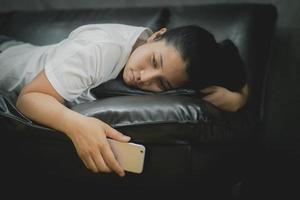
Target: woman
column 46, row 77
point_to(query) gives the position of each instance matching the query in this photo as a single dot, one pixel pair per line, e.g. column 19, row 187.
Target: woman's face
column 155, row 66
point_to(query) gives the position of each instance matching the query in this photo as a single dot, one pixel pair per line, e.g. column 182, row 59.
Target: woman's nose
column 148, row 75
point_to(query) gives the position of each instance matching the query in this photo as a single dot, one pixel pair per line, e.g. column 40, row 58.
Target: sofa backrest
column 249, row 26
column 47, row 27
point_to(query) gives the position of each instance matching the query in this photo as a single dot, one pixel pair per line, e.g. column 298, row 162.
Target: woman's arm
column 39, row 101
column 225, row 99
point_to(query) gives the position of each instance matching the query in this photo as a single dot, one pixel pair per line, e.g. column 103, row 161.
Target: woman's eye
column 154, row 61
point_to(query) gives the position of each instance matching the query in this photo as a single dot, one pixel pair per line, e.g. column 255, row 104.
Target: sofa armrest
column 174, row 119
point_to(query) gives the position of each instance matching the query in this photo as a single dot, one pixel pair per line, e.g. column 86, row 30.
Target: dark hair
column 208, row 62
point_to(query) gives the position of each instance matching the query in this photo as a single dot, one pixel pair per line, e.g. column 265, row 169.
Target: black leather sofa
column 191, row 145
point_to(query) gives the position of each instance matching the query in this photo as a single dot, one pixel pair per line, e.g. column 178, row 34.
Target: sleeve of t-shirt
column 75, row 66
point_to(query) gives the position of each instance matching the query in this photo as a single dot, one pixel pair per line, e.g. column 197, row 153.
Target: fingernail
column 126, row 137
column 122, row 174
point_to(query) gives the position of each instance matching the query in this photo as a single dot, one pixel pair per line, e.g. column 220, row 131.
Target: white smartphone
column 130, row 155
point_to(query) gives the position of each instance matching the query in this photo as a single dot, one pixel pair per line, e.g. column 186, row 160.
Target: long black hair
column 208, row 62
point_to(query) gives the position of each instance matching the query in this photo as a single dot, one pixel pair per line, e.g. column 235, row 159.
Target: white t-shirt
column 91, row 55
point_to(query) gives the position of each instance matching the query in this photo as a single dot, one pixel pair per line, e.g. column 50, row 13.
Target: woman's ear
column 155, row 36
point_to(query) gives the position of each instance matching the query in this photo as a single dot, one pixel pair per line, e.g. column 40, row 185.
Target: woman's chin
column 127, row 81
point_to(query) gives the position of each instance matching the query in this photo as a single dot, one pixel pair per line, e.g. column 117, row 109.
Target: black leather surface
column 248, row 26
column 49, row 27
column 166, row 119
column 116, row 87
column 193, row 137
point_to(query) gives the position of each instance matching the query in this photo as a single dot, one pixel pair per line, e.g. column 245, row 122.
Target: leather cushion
column 249, row 26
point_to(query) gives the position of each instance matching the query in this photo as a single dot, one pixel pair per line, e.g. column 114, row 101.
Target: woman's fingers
column 95, row 162
column 212, row 98
column 209, row 98
column 85, row 163
column 209, row 89
column 111, row 161
column 100, row 164
column 114, row 134
column 89, row 163
column 93, row 148
column 107, row 152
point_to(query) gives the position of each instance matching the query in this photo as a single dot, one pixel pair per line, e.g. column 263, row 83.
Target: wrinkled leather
column 185, row 137
column 249, row 26
column 116, row 87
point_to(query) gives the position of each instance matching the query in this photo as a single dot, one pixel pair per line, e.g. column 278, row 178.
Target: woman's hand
column 225, row 99
column 40, row 102
column 91, row 144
